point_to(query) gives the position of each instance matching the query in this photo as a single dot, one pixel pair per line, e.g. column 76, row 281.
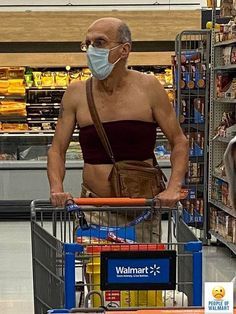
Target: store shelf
column 35, row 119
column 199, row 187
column 12, row 118
column 224, row 139
column 199, row 158
column 196, row 126
column 30, row 133
column 225, row 67
column 217, row 108
column 45, row 87
column 230, row 245
column 221, row 178
column 192, row 92
column 224, row 101
column 55, row 105
column 2, row 97
column 221, row 206
column 225, row 43
column 37, row 164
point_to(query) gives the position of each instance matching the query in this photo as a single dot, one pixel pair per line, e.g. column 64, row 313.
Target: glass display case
column 29, row 107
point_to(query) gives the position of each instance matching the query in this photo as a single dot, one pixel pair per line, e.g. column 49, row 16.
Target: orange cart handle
column 119, row 201
column 124, row 201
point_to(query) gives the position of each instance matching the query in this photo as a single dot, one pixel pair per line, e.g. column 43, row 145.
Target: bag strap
column 96, row 120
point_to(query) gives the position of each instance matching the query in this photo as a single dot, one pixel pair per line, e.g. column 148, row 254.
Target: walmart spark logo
column 154, row 270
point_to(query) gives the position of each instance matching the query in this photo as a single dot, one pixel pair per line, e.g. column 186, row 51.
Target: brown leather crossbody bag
column 128, row 178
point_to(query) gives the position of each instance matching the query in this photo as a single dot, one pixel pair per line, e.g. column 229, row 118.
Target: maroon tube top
column 129, row 140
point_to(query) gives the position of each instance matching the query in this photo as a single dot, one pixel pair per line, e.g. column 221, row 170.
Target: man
column 129, row 104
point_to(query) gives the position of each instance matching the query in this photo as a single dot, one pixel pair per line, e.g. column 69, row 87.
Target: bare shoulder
column 147, row 81
column 73, row 94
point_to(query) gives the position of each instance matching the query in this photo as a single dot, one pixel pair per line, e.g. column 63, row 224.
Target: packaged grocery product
column 16, row 72
column 229, row 228
column 199, row 110
column 188, row 57
column 85, row 74
column 16, row 82
column 46, row 126
column 3, row 90
column 12, row 108
column 170, row 94
column 226, row 7
column 74, row 76
column 195, row 173
column 62, row 79
column 35, row 126
column 168, row 77
column 161, row 78
column 37, row 78
column 223, row 82
column 47, row 79
column 4, row 84
column 198, row 143
column 210, row 3
column 233, row 55
column 190, row 76
column 184, row 111
column 3, row 73
column 200, row 75
column 16, row 90
column 11, row 127
column 183, row 77
column 29, row 79
column 212, row 219
column 227, row 55
column 234, row 231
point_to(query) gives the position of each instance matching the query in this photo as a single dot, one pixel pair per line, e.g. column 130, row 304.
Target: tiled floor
column 16, row 294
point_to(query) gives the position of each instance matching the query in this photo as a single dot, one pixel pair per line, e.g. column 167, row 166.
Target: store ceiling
column 72, row 5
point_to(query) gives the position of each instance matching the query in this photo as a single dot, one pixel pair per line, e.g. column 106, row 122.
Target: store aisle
column 218, row 264
column 16, row 269
column 16, row 288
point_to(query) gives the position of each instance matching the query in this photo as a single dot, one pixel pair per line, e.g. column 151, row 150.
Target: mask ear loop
column 119, row 57
column 116, row 61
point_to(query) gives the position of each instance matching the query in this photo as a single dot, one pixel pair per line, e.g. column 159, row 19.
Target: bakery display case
column 29, row 106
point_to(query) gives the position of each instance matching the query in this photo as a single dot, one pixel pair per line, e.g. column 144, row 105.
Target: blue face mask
column 98, row 62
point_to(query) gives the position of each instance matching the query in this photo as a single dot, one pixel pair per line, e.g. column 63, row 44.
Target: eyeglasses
column 97, row 43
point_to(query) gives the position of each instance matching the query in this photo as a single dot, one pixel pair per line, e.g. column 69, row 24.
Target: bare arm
column 57, row 152
column 165, row 116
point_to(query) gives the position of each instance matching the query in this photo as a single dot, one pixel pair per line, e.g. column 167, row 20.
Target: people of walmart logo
column 218, row 292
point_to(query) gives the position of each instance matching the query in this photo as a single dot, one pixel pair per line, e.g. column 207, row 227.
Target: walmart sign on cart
column 129, row 270
column 141, row 269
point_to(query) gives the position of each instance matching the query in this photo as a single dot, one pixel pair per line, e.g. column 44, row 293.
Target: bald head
column 116, row 27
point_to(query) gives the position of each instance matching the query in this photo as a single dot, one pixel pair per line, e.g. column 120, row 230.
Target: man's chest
column 129, row 105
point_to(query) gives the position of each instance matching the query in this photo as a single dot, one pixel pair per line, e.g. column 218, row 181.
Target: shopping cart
column 75, row 251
